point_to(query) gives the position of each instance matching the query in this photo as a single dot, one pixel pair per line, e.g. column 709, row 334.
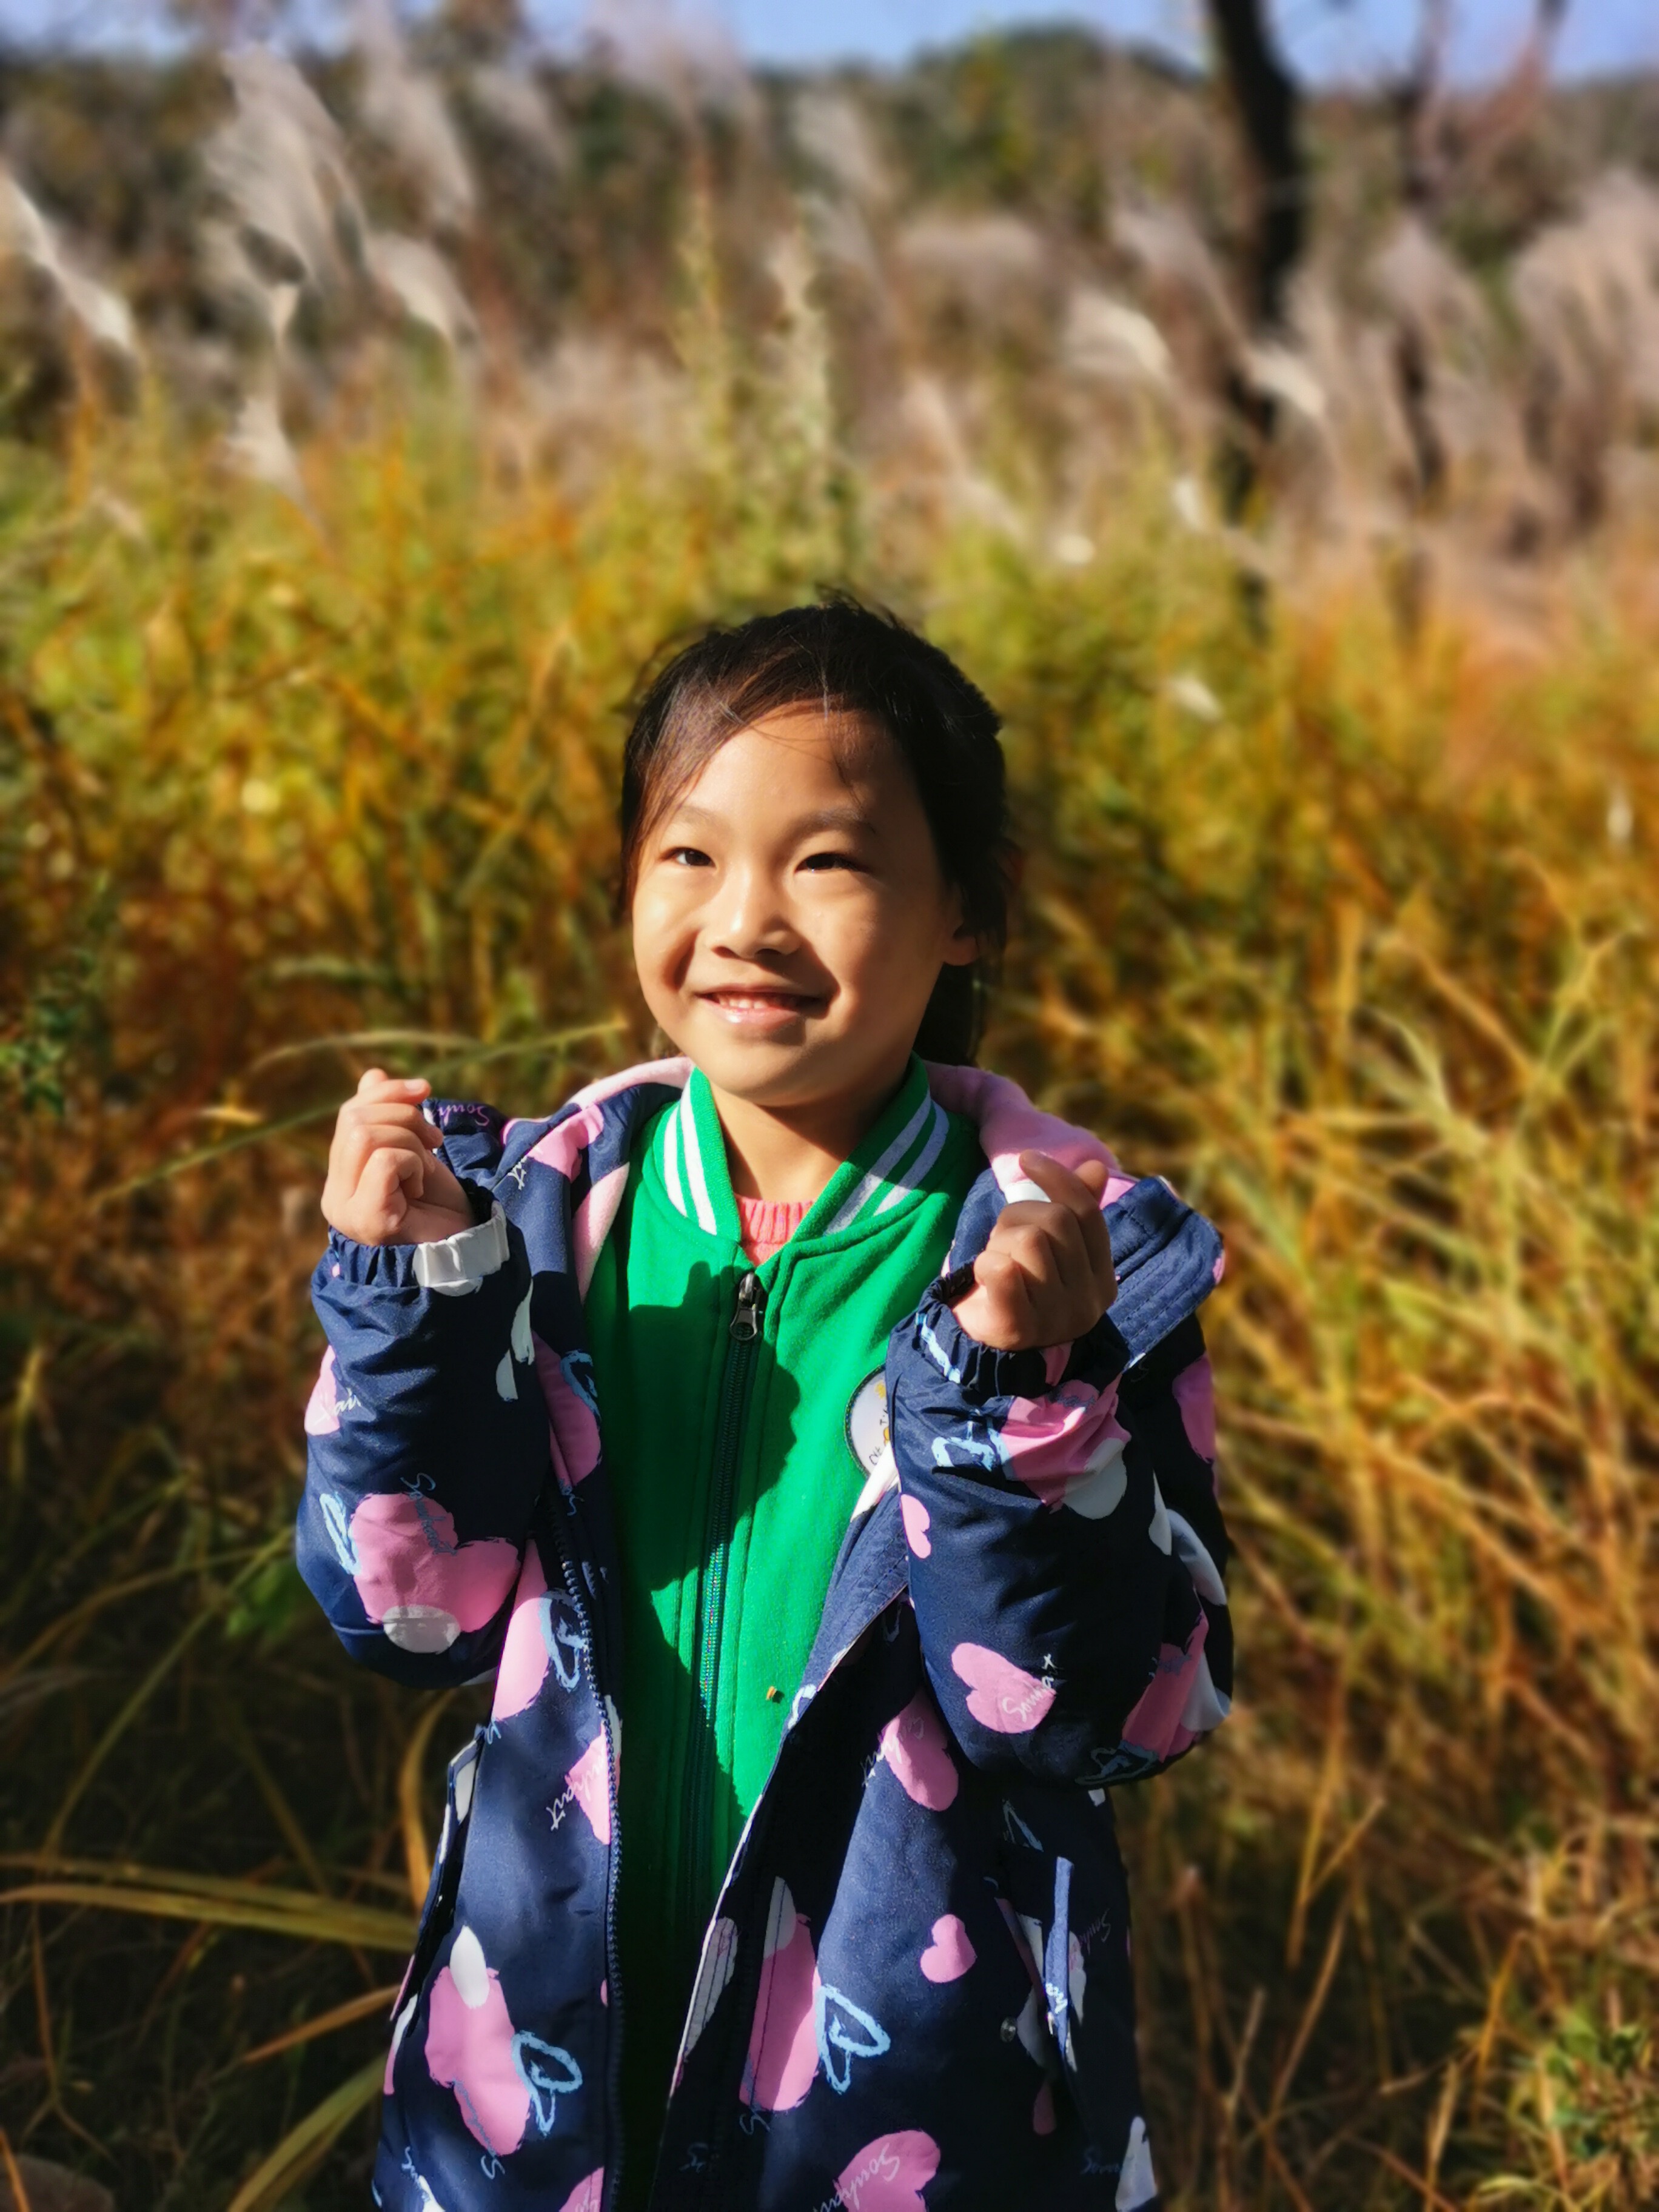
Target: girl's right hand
column 385, row 1183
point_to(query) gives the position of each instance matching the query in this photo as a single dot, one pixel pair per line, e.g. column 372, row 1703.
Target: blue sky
column 1325, row 39
column 1357, row 38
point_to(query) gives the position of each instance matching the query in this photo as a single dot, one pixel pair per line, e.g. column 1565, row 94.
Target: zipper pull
column 751, row 1304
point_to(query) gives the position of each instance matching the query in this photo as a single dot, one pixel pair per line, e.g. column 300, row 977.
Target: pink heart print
column 323, row 1409
column 890, row 2174
column 917, row 1521
column 523, row 1667
column 1068, row 1448
column 914, row 1745
column 951, row 1953
column 572, row 1429
column 561, row 1148
column 783, row 2050
column 469, row 2047
column 1193, row 1392
column 416, row 1579
column 1001, row 1696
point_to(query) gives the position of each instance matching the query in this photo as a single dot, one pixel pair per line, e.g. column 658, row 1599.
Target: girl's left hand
column 1045, row 1276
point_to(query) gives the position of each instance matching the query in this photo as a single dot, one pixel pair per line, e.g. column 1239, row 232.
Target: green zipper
column 736, row 1383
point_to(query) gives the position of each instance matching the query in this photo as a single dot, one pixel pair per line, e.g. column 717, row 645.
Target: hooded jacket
column 914, row 1992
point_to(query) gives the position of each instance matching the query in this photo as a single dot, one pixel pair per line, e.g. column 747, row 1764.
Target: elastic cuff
column 980, row 1370
column 456, row 1265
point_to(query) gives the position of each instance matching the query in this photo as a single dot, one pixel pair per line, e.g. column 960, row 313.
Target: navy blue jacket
column 914, row 1994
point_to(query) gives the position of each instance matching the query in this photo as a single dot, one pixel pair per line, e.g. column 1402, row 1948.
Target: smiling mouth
column 760, row 1002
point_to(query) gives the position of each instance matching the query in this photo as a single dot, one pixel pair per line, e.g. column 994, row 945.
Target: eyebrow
column 826, row 818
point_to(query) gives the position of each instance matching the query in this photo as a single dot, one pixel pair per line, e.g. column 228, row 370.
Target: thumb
column 1093, row 1174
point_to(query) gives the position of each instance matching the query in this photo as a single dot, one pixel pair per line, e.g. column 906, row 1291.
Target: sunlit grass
column 1350, row 933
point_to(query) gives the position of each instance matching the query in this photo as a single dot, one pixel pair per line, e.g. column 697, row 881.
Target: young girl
column 780, row 1400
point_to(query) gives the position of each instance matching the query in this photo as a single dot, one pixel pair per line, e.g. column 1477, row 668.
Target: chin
column 768, row 1072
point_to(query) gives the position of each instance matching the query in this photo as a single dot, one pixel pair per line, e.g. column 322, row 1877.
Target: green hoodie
column 726, row 1395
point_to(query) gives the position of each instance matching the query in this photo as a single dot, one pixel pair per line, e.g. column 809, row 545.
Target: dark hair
column 851, row 659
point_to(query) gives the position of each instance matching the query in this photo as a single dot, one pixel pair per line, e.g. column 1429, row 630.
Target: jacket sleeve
column 428, row 1447
column 1067, row 1547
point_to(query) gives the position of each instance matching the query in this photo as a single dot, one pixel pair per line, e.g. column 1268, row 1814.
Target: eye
column 819, row 861
column 686, row 856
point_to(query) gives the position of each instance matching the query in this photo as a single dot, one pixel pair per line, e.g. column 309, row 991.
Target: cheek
column 885, row 944
column 873, row 950
column 851, row 938
column 664, row 934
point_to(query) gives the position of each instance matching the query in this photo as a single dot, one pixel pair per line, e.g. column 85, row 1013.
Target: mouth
column 762, row 1008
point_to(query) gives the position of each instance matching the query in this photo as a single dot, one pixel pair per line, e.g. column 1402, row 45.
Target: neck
column 789, row 1153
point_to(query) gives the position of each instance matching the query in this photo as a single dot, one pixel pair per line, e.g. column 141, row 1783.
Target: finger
column 375, row 1083
column 390, row 1112
column 351, row 1161
column 1067, row 1290
column 1066, row 1186
column 1048, row 1247
column 1094, row 1175
column 443, row 1187
column 1059, row 1313
column 388, row 1183
column 360, row 1136
column 359, row 1115
column 1007, row 1318
column 1080, row 1192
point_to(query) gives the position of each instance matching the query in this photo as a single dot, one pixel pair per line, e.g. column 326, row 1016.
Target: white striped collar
column 692, row 1164
column 898, row 1169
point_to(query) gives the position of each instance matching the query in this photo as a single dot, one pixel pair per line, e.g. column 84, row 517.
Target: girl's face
column 790, row 917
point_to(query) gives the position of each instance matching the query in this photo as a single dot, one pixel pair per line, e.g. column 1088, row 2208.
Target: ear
column 962, row 948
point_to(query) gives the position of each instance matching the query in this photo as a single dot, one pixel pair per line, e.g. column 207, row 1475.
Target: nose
column 752, row 920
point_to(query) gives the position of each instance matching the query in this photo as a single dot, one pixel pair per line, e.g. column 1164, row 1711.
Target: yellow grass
column 1364, row 960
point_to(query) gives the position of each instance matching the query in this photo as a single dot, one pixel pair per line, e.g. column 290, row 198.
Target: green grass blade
column 304, row 1918
column 304, row 2146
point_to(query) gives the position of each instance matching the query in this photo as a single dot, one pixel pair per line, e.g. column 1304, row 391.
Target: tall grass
column 1351, row 931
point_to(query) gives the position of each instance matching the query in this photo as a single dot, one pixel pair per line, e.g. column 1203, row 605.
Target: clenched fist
column 1045, row 1276
column 386, row 1182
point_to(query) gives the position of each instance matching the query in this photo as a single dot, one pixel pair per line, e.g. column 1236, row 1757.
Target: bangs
column 699, row 719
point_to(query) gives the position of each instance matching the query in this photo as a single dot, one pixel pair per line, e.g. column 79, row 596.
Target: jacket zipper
column 744, row 1333
column 613, row 2164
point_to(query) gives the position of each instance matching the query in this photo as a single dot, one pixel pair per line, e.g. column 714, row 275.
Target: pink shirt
column 768, row 1224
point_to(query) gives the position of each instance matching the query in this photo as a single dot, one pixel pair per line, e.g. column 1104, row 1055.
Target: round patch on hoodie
column 867, row 1436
